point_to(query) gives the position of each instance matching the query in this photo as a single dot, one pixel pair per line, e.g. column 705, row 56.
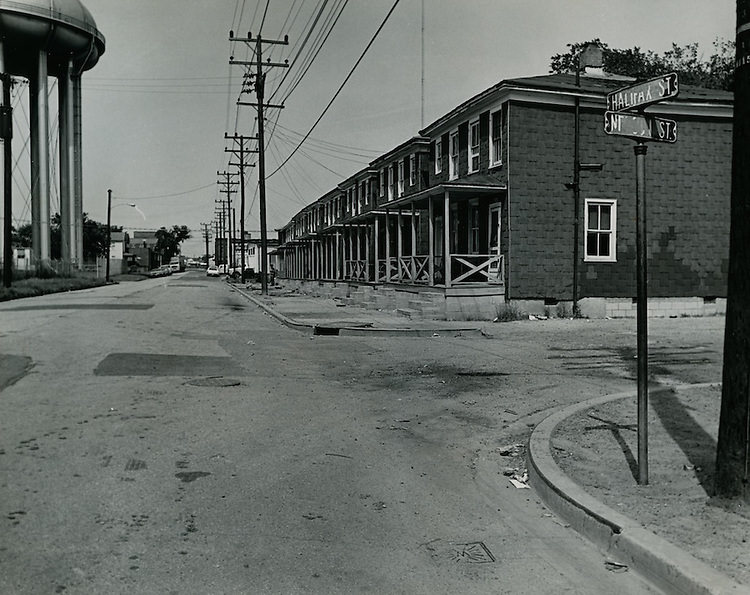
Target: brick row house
column 476, row 213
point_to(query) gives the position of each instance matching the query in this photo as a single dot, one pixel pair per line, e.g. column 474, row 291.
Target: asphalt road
column 167, row 437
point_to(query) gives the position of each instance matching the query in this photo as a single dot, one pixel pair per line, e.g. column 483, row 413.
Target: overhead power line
column 348, row 76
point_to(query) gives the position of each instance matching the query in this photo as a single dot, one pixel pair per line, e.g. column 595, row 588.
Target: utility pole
column 260, row 81
column 733, row 447
column 222, row 223
column 239, row 152
column 6, row 135
column 229, row 187
column 206, row 231
column 109, row 231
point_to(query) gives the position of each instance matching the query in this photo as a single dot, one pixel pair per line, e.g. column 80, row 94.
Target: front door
column 494, row 235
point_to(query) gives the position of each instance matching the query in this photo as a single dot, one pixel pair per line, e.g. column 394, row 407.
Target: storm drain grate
column 214, row 381
column 472, row 553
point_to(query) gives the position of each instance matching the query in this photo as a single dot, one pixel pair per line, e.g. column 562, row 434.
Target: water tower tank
column 64, row 28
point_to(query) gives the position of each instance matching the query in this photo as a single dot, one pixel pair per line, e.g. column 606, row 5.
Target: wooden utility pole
column 206, row 231
column 732, row 453
column 6, row 135
column 240, row 153
column 260, row 79
column 228, row 187
column 221, row 233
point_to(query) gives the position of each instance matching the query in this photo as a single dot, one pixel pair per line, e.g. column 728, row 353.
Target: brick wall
column 687, row 195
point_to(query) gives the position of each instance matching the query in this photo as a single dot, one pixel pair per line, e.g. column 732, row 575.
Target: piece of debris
column 511, row 412
column 510, row 450
column 518, row 484
column 695, row 468
column 615, row 566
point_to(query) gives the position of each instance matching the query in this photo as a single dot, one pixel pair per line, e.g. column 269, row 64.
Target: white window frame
column 382, row 183
column 612, row 257
column 391, row 182
column 453, row 157
column 413, row 169
column 474, row 146
column 496, row 142
column 401, row 166
column 439, row 156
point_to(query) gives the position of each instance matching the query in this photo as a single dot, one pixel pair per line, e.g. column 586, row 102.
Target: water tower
column 41, row 39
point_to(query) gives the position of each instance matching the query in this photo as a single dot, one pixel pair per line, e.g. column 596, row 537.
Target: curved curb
column 290, row 322
column 662, row 563
column 328, row 329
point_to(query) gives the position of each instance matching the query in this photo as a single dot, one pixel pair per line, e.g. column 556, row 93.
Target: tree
column 717, row 72
column 94, row 237
column 168, row 240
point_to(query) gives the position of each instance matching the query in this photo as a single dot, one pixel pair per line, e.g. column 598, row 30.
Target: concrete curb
column 659, row 561
column 331, row 329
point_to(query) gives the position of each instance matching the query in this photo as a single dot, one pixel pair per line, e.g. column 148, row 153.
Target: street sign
column 643, row 94
column 640, row 126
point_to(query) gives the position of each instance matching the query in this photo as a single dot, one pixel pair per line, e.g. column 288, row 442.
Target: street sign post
column 643, row 94
column 625, row 117
column 640, row 126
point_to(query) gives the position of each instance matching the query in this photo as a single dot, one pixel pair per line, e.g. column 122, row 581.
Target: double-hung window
column 601, row 230
column 412, row 170
column 496, row 137
column 381, row 191
column 391, row 182
column 453, row 155
column 438, row 156
column 474, row 146
column 401, row 178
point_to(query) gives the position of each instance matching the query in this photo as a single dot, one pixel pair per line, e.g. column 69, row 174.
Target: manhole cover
column 472, row 553
column 214, row 381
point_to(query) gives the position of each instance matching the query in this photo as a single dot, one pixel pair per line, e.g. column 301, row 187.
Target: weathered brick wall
column 687, row 195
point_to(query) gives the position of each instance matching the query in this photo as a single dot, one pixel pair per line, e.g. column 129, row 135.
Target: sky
column 158, row 104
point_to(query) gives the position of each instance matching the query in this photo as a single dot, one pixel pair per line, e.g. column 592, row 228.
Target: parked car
column 212, row 271
column 161, row 271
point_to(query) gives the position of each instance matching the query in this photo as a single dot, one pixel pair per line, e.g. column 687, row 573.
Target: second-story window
column 412, row 170
column 453, row 155
column 438, row 156
column 496, row 137
column 391, row 182
column 368, row 190
column 401, row 178
column 381, row 190
column 474, row 146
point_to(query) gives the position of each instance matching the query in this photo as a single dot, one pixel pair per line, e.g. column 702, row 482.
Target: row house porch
column 445, row 245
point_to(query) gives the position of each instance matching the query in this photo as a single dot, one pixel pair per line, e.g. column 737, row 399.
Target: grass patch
column 33, row 287
column 508, row 313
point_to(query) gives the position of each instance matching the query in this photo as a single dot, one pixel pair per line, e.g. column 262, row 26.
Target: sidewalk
column 582, row 463
column 323, row 316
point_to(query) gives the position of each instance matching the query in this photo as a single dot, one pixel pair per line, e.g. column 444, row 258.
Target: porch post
column 387, row 249
column 413, row 243
column 376, row 248
column 337, row 256
column 431, row 240
column 447, row 227
column 367, row 253
column 400, row 246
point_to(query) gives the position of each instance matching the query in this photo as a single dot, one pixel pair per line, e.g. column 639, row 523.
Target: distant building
column 475, row 212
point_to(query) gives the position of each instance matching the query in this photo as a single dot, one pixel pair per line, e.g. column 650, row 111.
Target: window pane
column 605, row 212
column 593, row 217
column 591, row 244
column 604, row 244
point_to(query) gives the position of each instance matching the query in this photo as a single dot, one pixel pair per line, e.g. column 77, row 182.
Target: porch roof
column 473, row 186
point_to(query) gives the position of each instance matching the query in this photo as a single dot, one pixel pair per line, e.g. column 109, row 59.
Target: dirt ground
column 598, row 449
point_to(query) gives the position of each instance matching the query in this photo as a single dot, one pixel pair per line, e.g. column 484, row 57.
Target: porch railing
column 477, row 268
column 356, row 270
column 414, row 269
